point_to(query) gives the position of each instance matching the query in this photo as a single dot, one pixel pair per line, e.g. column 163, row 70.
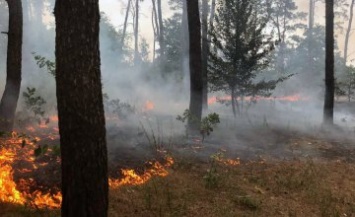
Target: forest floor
column 276, row 172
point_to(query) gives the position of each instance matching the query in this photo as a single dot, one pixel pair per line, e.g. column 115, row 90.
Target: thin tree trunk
column 233, row 102
column 184, row 40
column 212, row 14
column 161, row 29
column 11, row 93
column 80, row 109
column 205, row 48
column 348, row 31
column 329, row 64
column 196, row 84
column 156, row 28
column 136, row 29
column 310, row 32
column 125, row 25
column 311, row 14
column 155, row 34
column 156, row 18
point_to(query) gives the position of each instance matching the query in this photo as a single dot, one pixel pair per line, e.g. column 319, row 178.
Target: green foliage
column 345, row 85
column 240, row 51
column 43, row 62
column 184, row 117
column 33, row 110
column 116, row 107
column 34, row 103
column 207, row 123
column 212, row 177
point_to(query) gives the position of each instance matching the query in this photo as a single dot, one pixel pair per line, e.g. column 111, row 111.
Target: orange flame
column 149, row 105
column 132, row 178
column 291, row 98
column 12, row 150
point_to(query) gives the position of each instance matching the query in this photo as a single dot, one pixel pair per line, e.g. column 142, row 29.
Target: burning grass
column 191, row 187
column 30, row 173
column 287, row 188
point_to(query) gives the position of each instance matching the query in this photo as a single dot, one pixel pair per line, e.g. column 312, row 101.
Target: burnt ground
column 131, row 148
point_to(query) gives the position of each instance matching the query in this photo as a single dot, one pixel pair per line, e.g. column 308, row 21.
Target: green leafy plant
column 43, row 62
column 212, row 177
column 207, row 123
column 33, row 110
column 121, row 109
column 33, row 102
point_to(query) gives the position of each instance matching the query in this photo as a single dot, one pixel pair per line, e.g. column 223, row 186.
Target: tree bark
column 80, row 109
column 196, row 84
column 11, row 93
column 136, row 30
column 205, row 48
column 348, row 31
column 125, row 25
column 329, row 64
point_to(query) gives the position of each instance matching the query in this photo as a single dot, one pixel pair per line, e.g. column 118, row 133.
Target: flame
column 54, row 118
column 130, row 177
column 18, row 192
column 230, row 162
column 291, row 98
column 149, row 105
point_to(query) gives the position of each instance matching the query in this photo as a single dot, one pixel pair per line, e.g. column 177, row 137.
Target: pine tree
column 239, row 50
column 80, row 109
column 329, row 64
column 196, row 84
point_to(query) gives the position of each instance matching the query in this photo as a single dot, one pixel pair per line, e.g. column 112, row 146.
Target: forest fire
column 290, row 98
column 15, row 148
column 130, row 177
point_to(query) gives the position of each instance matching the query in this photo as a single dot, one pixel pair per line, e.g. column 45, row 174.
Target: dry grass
column 254, row 189
column 292, row 188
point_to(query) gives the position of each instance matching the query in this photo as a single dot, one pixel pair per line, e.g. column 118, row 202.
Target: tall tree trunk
column 196, row 84
column 136, row 30
column 80, row 109
column 161, row 29
column 156, row 18
column 329, row 64
column 125, row 24
column 348, row 31
column 205, row 48
column 11, row 93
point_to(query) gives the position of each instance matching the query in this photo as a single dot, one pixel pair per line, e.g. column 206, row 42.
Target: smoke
column 169, row 95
